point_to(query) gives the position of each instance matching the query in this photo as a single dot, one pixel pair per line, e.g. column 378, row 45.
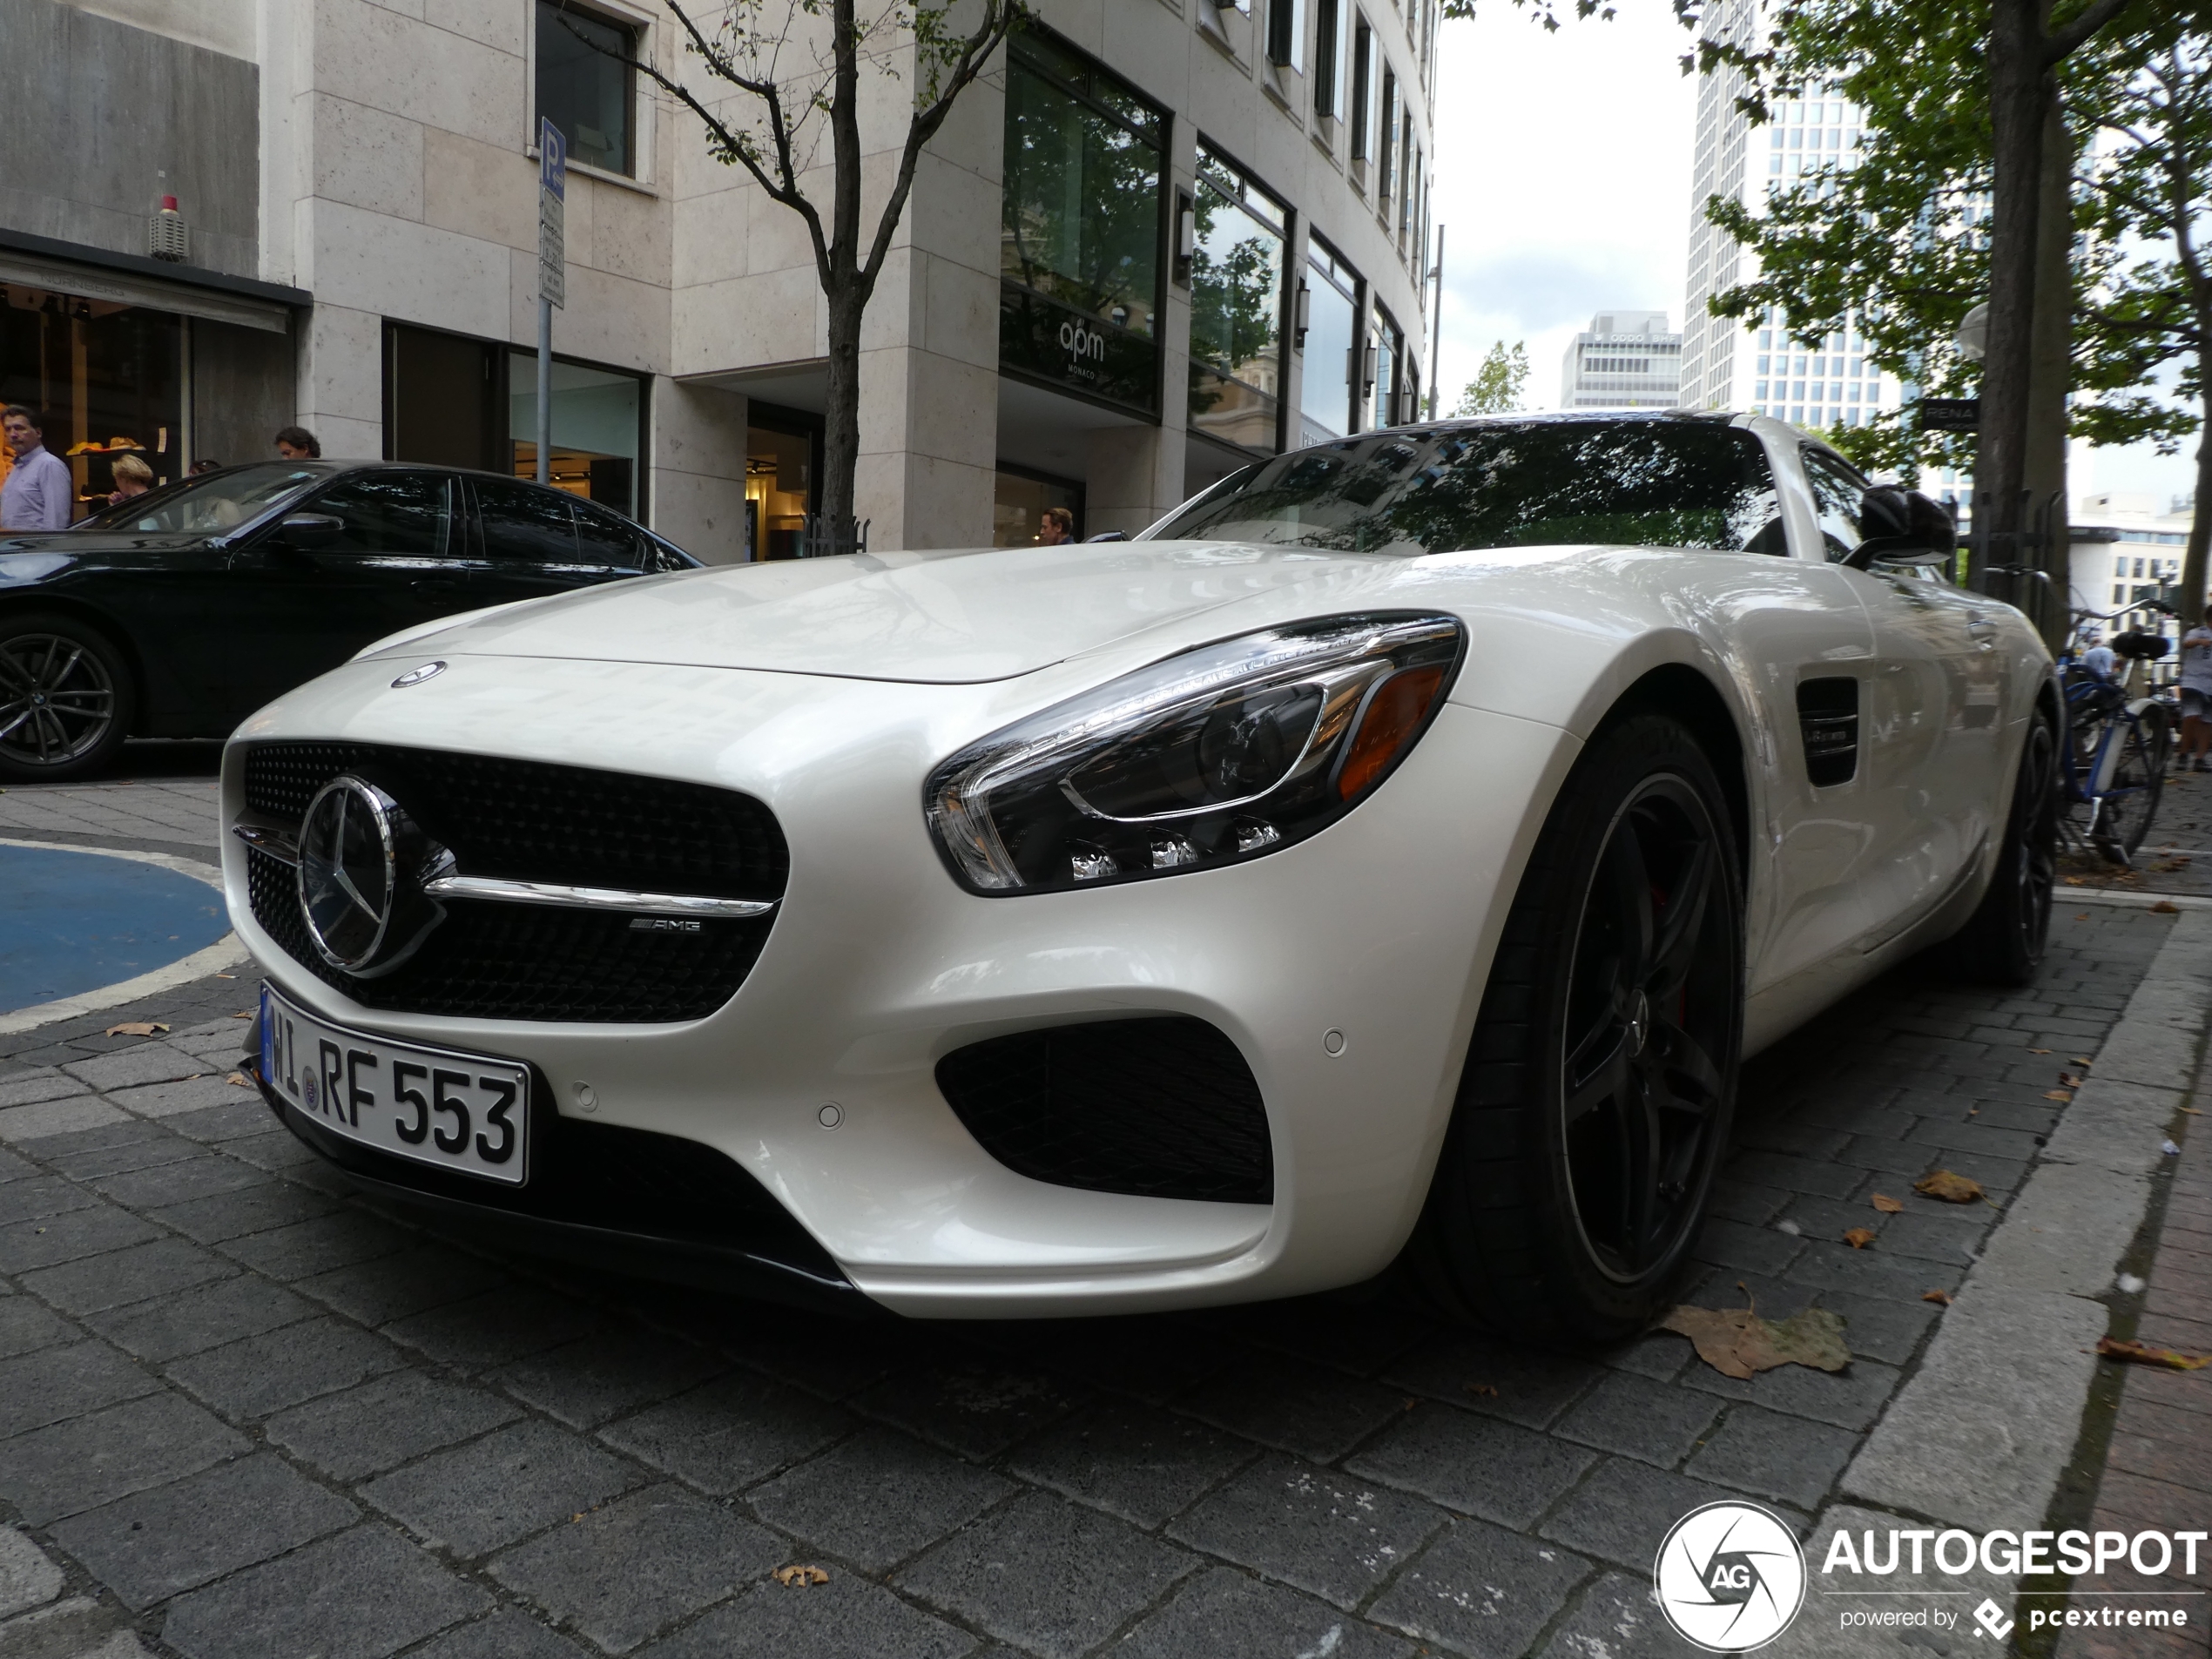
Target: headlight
column 1223, row 753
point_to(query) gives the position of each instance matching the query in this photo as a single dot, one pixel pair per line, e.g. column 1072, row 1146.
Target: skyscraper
column 1755, row 364
column 1625, row 360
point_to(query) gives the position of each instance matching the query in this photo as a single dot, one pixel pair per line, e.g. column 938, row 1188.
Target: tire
column 2123, row 820
column 66, row 698
column 1588, row 1126
column 2002, row 942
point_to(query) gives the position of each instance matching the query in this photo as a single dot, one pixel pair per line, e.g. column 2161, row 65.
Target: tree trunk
column 841, row 418
column 2050, row 376
column 2194, row 559
column 844, row 286
column 2019, row 95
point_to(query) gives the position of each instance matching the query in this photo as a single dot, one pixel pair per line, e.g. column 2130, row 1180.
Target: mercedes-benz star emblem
column 348, row 871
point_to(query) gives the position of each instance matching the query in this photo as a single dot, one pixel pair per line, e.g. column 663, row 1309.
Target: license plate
column 465, row 1112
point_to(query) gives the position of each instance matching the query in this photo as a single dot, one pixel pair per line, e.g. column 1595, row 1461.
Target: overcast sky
column 1563, row 178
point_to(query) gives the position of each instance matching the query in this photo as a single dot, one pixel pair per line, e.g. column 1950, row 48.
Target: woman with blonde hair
column 132, row 477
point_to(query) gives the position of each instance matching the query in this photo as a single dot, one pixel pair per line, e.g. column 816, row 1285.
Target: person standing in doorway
column 297, row 443
column 39, row 495
column 2196, row 699
column 1055, row 527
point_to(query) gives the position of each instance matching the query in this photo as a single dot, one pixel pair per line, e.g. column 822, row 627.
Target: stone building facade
column 1161, row 238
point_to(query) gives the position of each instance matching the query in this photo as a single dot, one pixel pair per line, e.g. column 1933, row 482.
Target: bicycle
column 2113, row 761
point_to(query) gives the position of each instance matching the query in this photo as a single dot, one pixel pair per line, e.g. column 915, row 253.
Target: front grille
column 600, row 1175
column 526, row 820
column 1161, row 1108
column 521, row 820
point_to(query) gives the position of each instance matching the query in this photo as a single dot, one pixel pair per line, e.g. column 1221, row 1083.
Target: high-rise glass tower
column 1755, row 365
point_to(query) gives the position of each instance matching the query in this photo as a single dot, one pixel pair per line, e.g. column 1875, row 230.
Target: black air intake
column 1160, row 1108
column 1828, row 717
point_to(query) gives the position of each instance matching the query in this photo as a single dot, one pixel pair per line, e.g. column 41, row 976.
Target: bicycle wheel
column 2129, row 802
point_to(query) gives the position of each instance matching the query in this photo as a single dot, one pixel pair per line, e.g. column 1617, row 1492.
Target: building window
column 1285, row 33
column 1020, row 499
column 1326, row 389
column 783, row 450
column 1237, row 307
column 584, row 86
column 1388, row 344
column 1362, row 99
column 1386, row 135
column 1080, row 227
column 1328, row 52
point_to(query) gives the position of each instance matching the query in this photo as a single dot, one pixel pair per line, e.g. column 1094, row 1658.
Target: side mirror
column 1896, row 550
column 308, row 531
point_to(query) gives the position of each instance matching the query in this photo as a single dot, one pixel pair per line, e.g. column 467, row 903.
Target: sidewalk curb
column 1981, row 1434
column 226, row 952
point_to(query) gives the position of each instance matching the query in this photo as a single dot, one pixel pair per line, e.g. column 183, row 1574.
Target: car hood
column 937, row 618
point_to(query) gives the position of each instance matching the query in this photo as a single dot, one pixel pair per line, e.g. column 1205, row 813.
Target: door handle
column 435, row 586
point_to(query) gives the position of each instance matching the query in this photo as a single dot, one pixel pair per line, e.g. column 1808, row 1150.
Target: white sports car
column 1386, row 859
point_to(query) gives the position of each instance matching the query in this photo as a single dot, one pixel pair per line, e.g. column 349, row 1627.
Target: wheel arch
column 1682, row 692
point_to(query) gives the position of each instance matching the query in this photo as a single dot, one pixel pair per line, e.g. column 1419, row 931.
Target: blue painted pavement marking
column 73, row 922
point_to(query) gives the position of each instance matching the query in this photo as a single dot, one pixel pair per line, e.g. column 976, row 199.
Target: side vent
column 1828, row 716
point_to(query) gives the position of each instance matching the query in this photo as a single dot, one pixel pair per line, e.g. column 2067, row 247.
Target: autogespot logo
column 1729, row 1577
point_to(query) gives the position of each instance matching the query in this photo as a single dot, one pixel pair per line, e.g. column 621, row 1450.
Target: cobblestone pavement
column 242, row 1414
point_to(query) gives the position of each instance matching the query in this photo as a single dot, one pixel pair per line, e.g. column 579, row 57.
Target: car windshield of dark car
column 1648, row 484
column 220, row 501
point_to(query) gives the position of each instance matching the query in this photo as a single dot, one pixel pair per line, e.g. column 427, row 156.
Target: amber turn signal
column 1394, row 714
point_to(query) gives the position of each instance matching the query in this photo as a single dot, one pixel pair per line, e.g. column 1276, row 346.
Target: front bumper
column 1379, row 930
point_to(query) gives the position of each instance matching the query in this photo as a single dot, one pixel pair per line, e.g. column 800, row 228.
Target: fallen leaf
column 237, row 1080
column 247, row 1015
column 1737, row 1343
column 1859, row 1238
column 2084, row 916
column 2162, row 908
column 2081, row 1060
column 2060, row 1095
column 137, row 1028
column 2039, row 1051
column 1482, row 1388
column 2075, row 881
column 1951, row 1188
column 2137, row 1354
column 1888, row 1205
column 799, row 1577
column 2193, row 1112
column 2067, row 1080
column 1942, row 1298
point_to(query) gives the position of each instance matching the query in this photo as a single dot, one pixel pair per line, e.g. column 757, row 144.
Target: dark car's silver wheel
column 64, row 698
column 1596, row 1100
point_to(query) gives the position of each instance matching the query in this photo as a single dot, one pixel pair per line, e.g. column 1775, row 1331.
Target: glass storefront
column 1079, row 242
column 108, row 378
column 1237, row 307
column 596, row 428
column 1020, row 502
column 1332, row 327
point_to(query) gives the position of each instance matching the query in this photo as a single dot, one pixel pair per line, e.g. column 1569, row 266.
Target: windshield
column 1647, row 483
column 221, row 501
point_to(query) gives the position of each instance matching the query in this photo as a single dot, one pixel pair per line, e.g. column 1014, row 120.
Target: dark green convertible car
column 179, row 612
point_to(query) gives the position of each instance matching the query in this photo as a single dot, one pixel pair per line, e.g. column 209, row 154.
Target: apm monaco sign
column 1732, row 1577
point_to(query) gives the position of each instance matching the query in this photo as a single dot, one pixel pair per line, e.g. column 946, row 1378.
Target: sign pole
column 552, row 275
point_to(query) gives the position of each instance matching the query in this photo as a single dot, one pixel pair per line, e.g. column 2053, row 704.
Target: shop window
column 781, row 464
column 108, row 379
column 584, row 86
column 1235, row 308
column 598, row 429
column 1331, row 328
column 1388, row 346
column 1020, row 500
column 1080, row 229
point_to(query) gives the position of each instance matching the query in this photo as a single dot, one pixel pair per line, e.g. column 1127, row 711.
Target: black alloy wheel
column 1599, row 1082
column 65, row 701
column 2003, row 941
column 1649, row 1002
